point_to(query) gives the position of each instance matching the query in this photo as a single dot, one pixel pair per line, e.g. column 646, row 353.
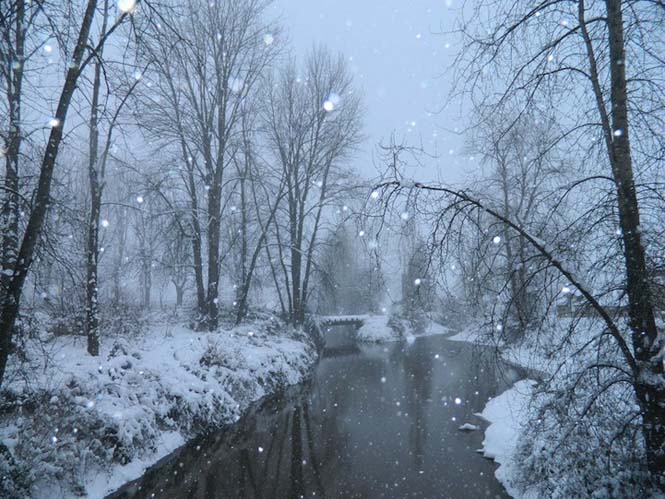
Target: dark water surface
column 375, row 421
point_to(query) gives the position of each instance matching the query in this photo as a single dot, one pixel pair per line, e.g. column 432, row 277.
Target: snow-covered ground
column 380, row 328
column 87, row 424
column 555, row 354
column 539, row 352
column 375, row 328
column 506, row 414
column 471, row 334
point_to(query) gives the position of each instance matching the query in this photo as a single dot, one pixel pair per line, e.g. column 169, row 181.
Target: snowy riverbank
column 508, row 412
column 380, row 328
column 86, row 425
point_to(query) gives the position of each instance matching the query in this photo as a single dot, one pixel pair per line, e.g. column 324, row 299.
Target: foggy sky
column 398, row 52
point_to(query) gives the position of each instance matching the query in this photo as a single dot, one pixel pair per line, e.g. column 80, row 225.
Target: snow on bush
column 581, row 434
column 377, row 328
column 584, row 441
column 83, row 416
column 506, row 414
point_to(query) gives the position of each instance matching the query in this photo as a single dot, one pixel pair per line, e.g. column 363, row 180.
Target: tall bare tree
column 598, row 63
column 313, row 125
column 203, row 82
column 82, row 55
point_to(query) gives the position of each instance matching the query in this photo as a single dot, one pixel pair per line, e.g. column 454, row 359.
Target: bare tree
column 203, row 82
column 597, row 62
column 262, row 188
column 313, row 125
column 102, row 111
column 523, row 173
column 81, row 57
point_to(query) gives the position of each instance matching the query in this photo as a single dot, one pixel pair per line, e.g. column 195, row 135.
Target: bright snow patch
column 507, row 414
column 375, row 328
column 472, row 335
column 380, row 328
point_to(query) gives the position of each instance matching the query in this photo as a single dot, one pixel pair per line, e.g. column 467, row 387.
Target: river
column 375, row 421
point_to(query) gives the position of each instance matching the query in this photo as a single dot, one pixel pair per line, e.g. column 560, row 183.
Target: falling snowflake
column 236, row 85
column 127, row 6
column 332, row 102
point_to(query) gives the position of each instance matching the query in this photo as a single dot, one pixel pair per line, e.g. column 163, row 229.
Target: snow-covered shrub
column 405, row 322
column 58, row 433
column 378, row 328
column 584, row 440
column 123, row 322
column 80, row 415
column 12, row 476
column 66, row 324
column 216, row 355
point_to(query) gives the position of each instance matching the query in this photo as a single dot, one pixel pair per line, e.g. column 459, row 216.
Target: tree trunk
column 91, row 286
column 91, row 327
column 296, row 267
column 117, row 271
column 179, row 294
column 646, row 344
column 10, row 207
column 196, row 236
column 147, row 283
column 644, row 333
column 214, row 208
column 12, row 298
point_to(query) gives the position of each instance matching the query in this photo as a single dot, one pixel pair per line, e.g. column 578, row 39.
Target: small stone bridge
column 326, row 321
column 337, row 342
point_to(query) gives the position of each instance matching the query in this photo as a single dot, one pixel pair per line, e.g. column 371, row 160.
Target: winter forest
column 285, row 249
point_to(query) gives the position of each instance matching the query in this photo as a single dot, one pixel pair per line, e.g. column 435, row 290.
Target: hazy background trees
column 312, row 123
column 188, row 158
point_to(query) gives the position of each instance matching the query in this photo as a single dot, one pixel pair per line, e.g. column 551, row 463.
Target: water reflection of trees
column 280, row 453
column 418, row 388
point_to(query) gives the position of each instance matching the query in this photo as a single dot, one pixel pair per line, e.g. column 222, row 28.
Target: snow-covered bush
column 584, row 440
column 79, row 415
column 378, row 328
column 125, row 321
column 405, row 322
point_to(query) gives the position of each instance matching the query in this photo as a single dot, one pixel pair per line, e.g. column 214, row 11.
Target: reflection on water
column 375, row 421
